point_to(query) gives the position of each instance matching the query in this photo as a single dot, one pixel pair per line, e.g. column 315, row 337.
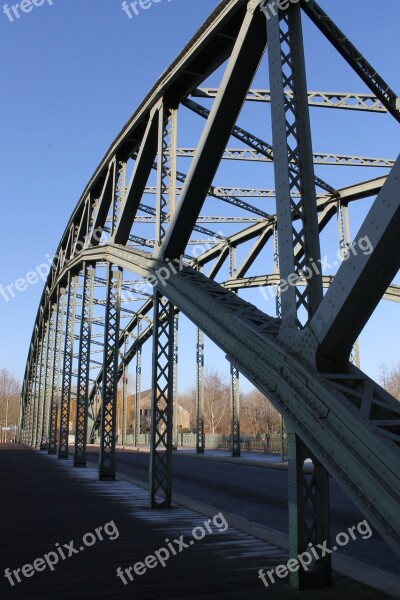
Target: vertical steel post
column 119, row 187
column 21, row 416
column 166, row 169
column 282, row 438
column 28, row 409
column 162, row 413
column 67, row 366
column 56, row 380
column 308, row 513
column 344, row 245
column 138, row 385
column 42, row 383
column 25, row 407
column 297, row 220
column 175, row 409
column 234, row 380
column 38, row 374
column 344, row 228
column 30, row 414
column 107, row 463
column 355, row 354
column 124, row 393
column 278, row 306
column 162, row 404
column 297, row 217
column 235, row 412
column 47, row 388
column 276, row 272
column 25, row 424
column 31, row 391
column 82, row 400
column 200, row 437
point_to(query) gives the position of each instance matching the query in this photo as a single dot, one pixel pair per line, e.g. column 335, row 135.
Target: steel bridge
column 125, row 269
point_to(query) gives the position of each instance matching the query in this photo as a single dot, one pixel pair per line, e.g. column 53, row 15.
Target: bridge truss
column 138, row 251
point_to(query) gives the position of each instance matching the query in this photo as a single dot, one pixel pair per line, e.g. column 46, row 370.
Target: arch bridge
column 140, row 249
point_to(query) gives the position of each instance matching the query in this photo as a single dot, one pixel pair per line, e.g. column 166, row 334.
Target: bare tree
column 9, row 399
column 258, row 414
column 390, row 379
column 216, row 401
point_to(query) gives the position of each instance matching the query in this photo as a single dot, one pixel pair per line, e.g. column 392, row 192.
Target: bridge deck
column 45, row 502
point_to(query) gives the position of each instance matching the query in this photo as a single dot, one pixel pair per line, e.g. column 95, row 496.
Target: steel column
column 28, row 421
column 21, row 419
column 235, row 412
column 278, row 301
column 47, row 388
column 138, row 386
column 82, row 400
column 175, row 408
column 308, row 514
column 41, row 393
column 162, row 404
column 119, row 186
column 56, row 380
column 38, row 373
column 107, row 465
column 166, row 169
column 124, row 393
column 297, row 217
column 27, row 410
column 344, row 245
column 31, row 392
column 282, row 444
column 200, row 437
column 297, row 221
column 355, row 354
column 67, row 366
column 234, row 380
column 282, row 424
column 343, row 228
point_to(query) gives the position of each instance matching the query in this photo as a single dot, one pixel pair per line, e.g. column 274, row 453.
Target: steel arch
column 301, row 364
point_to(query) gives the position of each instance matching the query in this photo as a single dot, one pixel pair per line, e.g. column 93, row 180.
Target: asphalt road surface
column 260, row 495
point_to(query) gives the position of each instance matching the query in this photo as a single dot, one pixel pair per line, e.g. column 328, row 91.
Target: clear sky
column 72, row 74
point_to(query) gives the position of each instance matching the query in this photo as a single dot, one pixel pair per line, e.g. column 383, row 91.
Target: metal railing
column 269, row 444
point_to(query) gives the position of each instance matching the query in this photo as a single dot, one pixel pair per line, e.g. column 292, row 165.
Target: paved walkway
column 49, row 510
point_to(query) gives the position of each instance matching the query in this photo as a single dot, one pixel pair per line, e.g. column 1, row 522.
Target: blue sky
column 73, row 73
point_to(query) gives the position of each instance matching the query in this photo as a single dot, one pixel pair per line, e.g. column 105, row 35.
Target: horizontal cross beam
column 320, row 158
column 339, row 100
